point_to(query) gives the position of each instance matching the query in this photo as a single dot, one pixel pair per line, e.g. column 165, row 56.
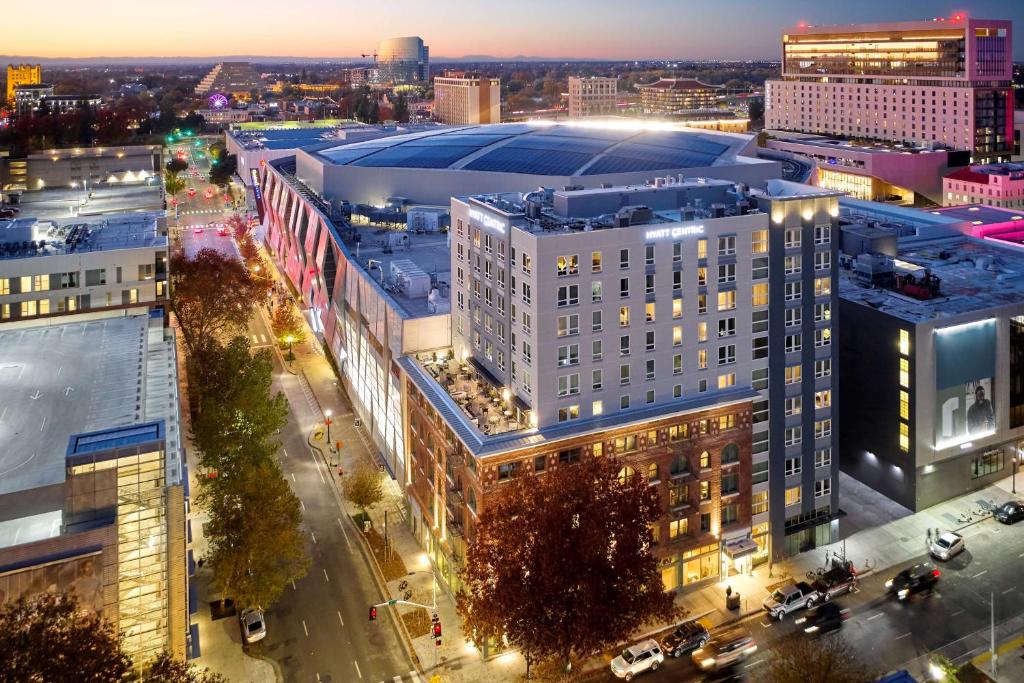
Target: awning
column 739, row 547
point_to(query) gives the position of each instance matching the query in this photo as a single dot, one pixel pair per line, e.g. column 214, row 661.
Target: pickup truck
column 835, row 582
column 790, row 598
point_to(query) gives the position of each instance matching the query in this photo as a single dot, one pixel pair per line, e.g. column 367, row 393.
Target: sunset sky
column 619, row 29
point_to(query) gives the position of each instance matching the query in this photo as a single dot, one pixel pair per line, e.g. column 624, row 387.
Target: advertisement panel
column 965, row 375
column 80, row 574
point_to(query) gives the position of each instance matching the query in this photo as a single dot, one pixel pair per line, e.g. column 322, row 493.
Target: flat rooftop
column 59, row 380
column 66, row 203
column 979, row 214
column 281, row 136
column 975, row 275
column 842, row 145
column 31, row 238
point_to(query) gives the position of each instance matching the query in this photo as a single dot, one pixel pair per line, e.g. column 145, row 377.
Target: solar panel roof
column 563, row 150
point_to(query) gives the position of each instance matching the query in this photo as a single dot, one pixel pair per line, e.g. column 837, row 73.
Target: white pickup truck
column 790, row 598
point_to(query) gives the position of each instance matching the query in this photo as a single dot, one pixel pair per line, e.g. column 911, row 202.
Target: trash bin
column 732, row 601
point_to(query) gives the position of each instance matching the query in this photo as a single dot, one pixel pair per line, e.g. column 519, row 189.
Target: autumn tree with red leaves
column 560, row 564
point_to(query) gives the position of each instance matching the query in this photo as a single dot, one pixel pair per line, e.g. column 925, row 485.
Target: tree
column 48, row 638
column 176, row 165
column 401, row 111
column 256, row 545
column 825, row 660
column 222, row 169
column 166, row 669
column 172, row 183
column 236, row 415
column 286, row 323
column 363, row 487
column 212, row 295
column 755, row 109
column 520, row 585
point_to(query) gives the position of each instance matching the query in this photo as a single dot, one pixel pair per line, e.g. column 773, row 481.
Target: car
column 191, row 192
column 254, row 627
column 645, row 656
column 687, row 637
column 947, row 546
column 1010, row 512
column 917, row 579
column 198, row 230
column 724, row 650
column 790, row 598
column 840, row 579
column 222, row 230
column 823, row 618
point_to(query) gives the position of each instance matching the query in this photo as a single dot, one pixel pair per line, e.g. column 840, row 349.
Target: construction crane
column 374, row 55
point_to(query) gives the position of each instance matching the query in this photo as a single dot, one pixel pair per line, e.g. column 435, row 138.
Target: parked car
column 790, row 598
column 724, row 650
column 1010, row 513
column 913, row 580
column 838, row 580
column 948, row 545
column 645, row 656
column 687, row 637
column 824, row 618
column 254, row 628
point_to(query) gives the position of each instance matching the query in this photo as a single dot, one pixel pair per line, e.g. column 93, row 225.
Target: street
column 887, row 634
column 319, row 630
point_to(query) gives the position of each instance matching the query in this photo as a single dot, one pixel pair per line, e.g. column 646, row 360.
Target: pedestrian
column 929, row 536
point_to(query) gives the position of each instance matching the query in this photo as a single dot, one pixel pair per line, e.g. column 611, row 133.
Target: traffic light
column 437, row 629
column 373, row 613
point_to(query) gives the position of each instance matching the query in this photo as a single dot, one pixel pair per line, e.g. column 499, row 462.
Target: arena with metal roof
column 433, row 165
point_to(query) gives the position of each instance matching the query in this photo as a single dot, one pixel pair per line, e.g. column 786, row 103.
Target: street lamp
column 290, row 340
column 327, row 421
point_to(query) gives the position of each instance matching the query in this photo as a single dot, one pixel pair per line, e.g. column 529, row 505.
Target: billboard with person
column 965, row 364
column 82, row 574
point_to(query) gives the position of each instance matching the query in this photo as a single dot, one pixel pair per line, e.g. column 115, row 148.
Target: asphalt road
column 320, row 630
column 887, row 633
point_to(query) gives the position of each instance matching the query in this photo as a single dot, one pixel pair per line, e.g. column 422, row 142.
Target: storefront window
column 700, row 564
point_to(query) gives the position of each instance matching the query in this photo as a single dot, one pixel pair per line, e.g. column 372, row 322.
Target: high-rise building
column 403, row 60
column 27, row 98
column 231, row 78
column 991, row 184
column 592, row 96
column 463, row 99
column 939, row 82
column 22, row 74
column 668, row 96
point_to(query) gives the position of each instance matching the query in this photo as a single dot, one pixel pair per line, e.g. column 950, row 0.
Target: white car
column 254, row 627
column 645, row 656
column 946, row 546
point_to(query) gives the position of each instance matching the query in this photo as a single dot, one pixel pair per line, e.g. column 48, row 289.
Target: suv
column 724, row 650
column 687, row 637
column 1010, row 513
column 917, row 579
column 790, row 598
column 645, row 656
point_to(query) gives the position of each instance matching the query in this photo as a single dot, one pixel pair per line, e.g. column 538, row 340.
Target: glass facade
column 908, row 54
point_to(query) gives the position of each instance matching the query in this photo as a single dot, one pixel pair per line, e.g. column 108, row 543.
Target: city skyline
column 456, row 29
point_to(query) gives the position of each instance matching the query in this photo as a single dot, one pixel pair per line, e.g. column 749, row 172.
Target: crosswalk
column 411, row 676
column 260, row 340
column 195, row 212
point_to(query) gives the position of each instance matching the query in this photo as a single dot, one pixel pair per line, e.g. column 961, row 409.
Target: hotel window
column 904, row 372
column 5, row 286
column 702, row 385
column 649, row 311
column 793, row 435
column 727, row 245
column 823, row 399
column 791, row 264
column 597, row 408
column 904, row 405
column 28, row 308
column 822, row 337
column 822, row 312
column 569, row 384
column 759, row 319
column 595, row 350
column 759, row 470
column 702, row 304
column 623, row 258
column 823, row 457
column 624, row 373
column 905, row 342
column 677, row 308
column 677, row 364
column 527, row 350
column 649, row 283
column 822, row 428
column 702, row 332
column 568, row 295
column 794, row 342
column 727, row 354
column 624, row 316
column 792, row 238
column 702, row 248
column 568, row 325
column 567, row 265
column 759, row 379
column 568, row 355
column 568, row 413
column 904, row 437
column 527, row 321
column 759, row 242
column 649, row 254
column 677, row 335
column 596, row 292
column 702, row 276
column 649, row 339
column 822, row 234
column 793, row 466
column 822, row 487
column 650, row 369
column 596, row 380
column 623, row 287
column 822, row 260
column 702, row 359
column 507, row 470
column 595, row 321
column 705, row 491
column 793, row 317
column 729, row 454
column 726, row 301
column 726, row 273
column 727, row 380
column 792, row 292
column 650, row 396
column 677, row 252
column 793, row 496
column 595, row 262
column 527, row 263
column 759, row 503
column 726, row 327
column 759, row 268
column 625, row 444
column 678, row 527
column 677, row 281
column 794, row 404
column 759, row 294
column 823, row 368
column 822, row 286
column 527, row 297
column 624, row 345
column 597, row 449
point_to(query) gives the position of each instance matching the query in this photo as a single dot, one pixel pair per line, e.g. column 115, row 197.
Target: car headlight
column 888, row 584
column 903, row 593
column 810, row 629
column 705, row 663
column 800, row 620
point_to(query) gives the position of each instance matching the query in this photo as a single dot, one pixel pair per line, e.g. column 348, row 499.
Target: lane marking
column 357, row 668
column 958, row 612
column 344, row 533
column 326, row 578
column 341, row 620
column 1009, row 590
column 293, row 477
column 293, row 585
column 982, row 573
column 302, row 504
column 876, row 616
column 285, row 451
column 903, row 636
column 321, row 473
column 304, row 628
column 754, row 663
column 44, row 423
column 4, row 414
column 313, row 535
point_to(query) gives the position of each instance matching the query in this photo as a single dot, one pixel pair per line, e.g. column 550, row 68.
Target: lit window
column 726, row 301
column 793, row 496
column 624, row 316
column 904, row 372
column 905, row 342
column 904, row 405
column 904, row 437
column 759, row 294
column 677, row 308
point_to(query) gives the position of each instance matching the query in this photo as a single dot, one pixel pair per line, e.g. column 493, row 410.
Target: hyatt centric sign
column 487, row 220
column 678, row 231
